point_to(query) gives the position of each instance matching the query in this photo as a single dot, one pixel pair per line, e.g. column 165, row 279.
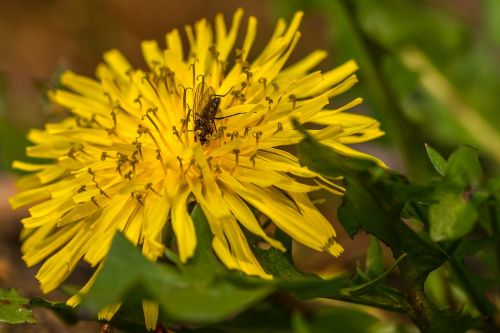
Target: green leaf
column 458, row 197
column 184, row 295
column 452, row 217
column 374, row 259
column 464, row 169
column 373, row 201
column 64, row 312
column 14, row 309
column 437, row 160
column 289, row 279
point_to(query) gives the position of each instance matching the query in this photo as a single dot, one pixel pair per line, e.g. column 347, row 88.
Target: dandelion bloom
column 139, row 145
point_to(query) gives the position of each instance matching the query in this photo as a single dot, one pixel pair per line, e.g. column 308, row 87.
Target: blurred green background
column 429, row 72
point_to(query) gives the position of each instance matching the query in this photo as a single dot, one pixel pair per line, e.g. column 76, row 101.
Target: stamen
column 257, row 135
column 110, row 100
column 248, row 73
column 128, row 175
column 176, row 133
column 234, row 134
column 252, row 159
column 104, row 155
column 138, row 101
column 153, row 110
column 270, row 101
column 214, row 53
column 276, row 87
column 280, row 127
column 93, row 120
column 149, row 186
column 121, row 160
column 168, row 75
column 263, row 80
column 247, row 129
column 133, row 162
column 236, row 153
column 209, row 161
column 80, row 149
column 115, row 82
column 90, row 172
column 82, row 122
column 94, row 201
column 220, row 131
column 187, row 110
column 180, row 162
column 238, row 55
column 101, row 191
column 138, row 196
column 191, row 163
column 118, row 106
column 158, row 155
column 194, row 71
column 82, row 188
column 138, row 147
column 71, row 153
column 146, row 77
column 292, row 98
column 130, row 73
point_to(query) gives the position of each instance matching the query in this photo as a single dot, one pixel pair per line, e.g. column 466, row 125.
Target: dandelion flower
column 206, row 124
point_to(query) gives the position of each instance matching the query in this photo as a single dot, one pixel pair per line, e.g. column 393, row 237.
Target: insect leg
column 229, row 116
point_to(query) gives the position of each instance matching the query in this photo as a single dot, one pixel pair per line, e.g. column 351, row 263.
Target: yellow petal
column 150, row 309
column 245, row 216
column 183, row 226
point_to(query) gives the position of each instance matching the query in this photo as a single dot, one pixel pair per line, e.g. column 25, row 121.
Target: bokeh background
column 429, row 71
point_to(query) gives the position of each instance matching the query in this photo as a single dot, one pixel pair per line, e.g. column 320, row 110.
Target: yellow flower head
column 204, row 124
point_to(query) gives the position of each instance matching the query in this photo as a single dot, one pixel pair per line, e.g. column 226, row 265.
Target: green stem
column 422, row 311
column 367, row 302
column 475, row 296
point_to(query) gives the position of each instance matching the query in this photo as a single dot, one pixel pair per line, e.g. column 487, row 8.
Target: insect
column 205, row 107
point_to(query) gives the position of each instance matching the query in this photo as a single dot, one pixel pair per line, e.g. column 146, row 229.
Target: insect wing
column 202, row 98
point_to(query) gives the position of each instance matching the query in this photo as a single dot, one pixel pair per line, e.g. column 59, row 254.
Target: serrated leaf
column 437, row 160
column 373, row 201
column 289, row 279
column 14, row 309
